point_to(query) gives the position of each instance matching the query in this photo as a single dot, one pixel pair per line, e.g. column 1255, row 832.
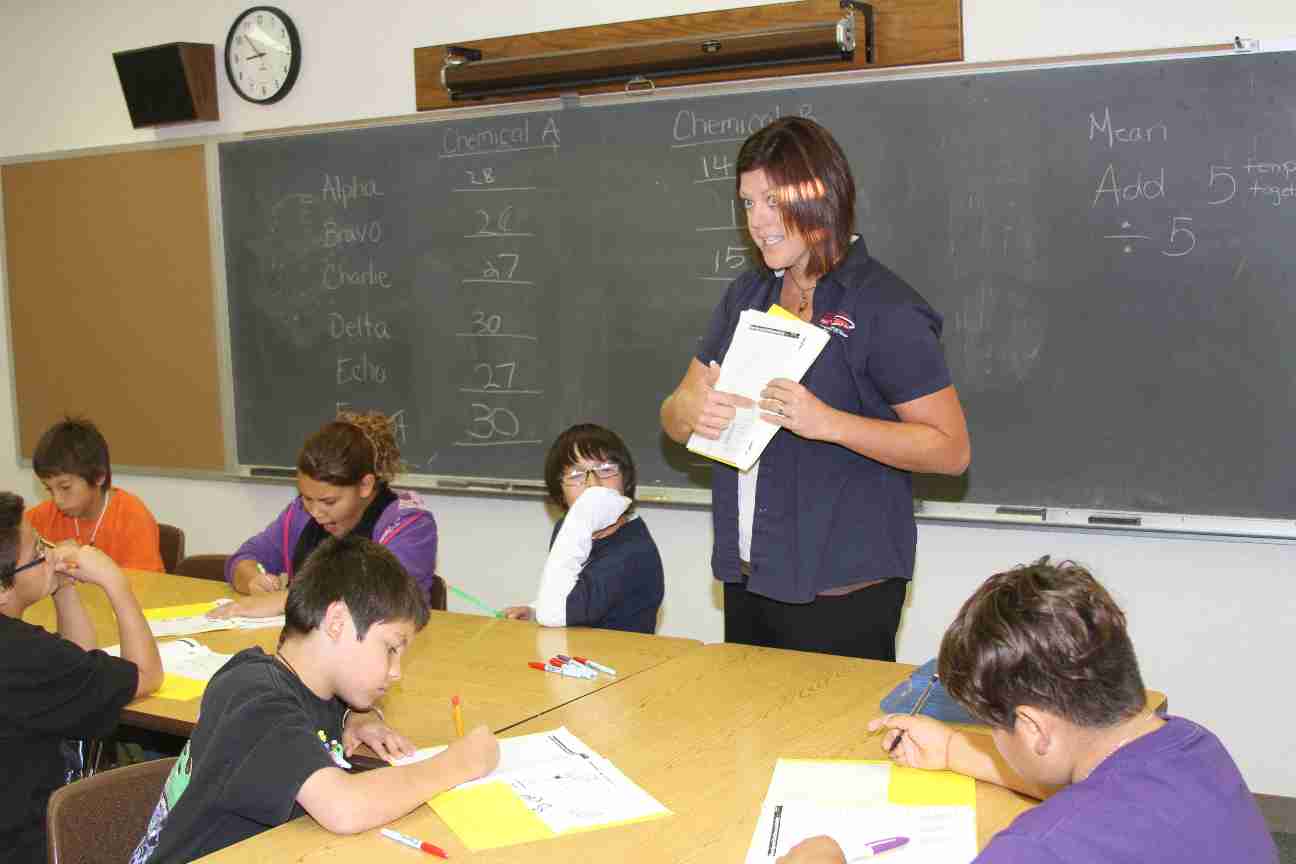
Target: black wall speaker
column 172, row 83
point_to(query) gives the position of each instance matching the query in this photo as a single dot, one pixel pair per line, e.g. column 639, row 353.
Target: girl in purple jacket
column 344, row 475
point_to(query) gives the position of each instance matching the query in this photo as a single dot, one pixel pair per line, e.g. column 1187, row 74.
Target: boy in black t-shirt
column 274, row 732
column 56, row 686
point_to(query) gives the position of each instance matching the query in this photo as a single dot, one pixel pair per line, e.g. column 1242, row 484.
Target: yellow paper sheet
column 780, row 312
column 180, row 689
column 162, row 613
column 488, row 816
column 918, row 788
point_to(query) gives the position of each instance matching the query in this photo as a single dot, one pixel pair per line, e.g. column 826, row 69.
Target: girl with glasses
column 603, row 568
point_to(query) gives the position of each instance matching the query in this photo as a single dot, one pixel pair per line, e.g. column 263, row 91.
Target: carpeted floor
column 1286, row 847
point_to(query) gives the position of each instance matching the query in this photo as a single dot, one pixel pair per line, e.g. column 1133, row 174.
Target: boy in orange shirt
column 71, row 460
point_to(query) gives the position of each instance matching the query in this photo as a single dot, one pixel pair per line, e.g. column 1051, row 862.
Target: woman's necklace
column 805, row 294
column 76, row 523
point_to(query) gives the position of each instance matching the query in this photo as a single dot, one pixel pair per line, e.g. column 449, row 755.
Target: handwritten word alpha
column 344, row 192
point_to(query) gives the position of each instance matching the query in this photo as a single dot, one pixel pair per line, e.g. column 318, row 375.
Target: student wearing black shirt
column 57, row 686
column 275, row 731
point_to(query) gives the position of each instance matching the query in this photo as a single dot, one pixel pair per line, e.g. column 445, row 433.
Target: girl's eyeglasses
column 580, row 476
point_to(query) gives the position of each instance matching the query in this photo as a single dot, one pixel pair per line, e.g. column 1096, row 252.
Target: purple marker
column 880, row 847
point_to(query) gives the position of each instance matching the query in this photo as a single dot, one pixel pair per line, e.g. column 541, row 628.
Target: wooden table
column 483, row 660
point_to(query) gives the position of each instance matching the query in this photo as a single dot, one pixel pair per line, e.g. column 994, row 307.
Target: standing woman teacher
column 815, row 544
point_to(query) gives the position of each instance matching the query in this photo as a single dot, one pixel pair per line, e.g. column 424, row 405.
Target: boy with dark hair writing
column 1041, row 654
column 71, row 460
column 275, row 730
column 56, row 686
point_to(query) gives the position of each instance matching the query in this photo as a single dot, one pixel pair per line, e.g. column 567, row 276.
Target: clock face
column 262, row 55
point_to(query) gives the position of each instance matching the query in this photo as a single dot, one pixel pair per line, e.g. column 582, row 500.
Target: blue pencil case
column 940, row 704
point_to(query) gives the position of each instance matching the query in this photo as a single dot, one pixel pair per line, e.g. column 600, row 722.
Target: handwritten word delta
column 344, row 192
column 692, row 126
column 359, row 328
column 516, row 137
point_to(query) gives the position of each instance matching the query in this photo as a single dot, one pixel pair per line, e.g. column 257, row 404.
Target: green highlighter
column 494, row 613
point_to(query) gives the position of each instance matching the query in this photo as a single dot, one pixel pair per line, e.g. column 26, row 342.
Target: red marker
column 414, row 843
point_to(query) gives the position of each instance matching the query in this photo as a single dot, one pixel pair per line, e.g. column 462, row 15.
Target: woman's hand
column 716, row 408
column 696, row 406
column 789, row 404
column 924, row 742
column 519, row 613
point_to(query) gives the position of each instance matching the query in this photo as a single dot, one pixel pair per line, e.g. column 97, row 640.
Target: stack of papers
column 546, row 784
column 869, row 808
column 192, row 618
column 187, row 667
column 766, row 345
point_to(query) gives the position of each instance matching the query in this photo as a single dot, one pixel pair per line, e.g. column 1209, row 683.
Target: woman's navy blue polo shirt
column 827, row 517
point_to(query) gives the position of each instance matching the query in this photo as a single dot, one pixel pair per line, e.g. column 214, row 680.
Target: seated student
column 344, row 475
column 274, row 731
column 71, row 460
column 1041, row 654
column 56, row 686
column 603, row 568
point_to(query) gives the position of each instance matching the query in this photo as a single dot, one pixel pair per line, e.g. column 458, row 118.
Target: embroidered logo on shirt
column 837, row 322
column 334, row 749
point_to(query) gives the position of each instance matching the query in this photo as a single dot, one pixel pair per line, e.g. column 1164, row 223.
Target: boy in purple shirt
column 1041, row 654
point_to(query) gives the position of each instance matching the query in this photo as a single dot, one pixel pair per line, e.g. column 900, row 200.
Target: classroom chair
column 202, row 567
column 103, row 817
column 171, row 543
column 437, row 595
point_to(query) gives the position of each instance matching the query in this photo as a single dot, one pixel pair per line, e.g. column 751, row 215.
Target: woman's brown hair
column 816, row 190
column 342, row 452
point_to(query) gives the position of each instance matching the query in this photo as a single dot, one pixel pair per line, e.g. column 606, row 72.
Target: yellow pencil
column 457, row 711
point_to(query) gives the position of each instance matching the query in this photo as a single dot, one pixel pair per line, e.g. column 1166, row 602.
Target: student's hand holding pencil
column 474, row 755
column 922, row 742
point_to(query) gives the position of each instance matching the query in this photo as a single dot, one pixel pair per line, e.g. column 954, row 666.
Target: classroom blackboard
column 1110, row 246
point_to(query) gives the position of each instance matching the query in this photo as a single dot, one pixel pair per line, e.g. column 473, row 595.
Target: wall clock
column 263, row 55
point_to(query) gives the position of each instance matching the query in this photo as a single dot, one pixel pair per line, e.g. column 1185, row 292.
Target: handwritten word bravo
column 340, row 235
